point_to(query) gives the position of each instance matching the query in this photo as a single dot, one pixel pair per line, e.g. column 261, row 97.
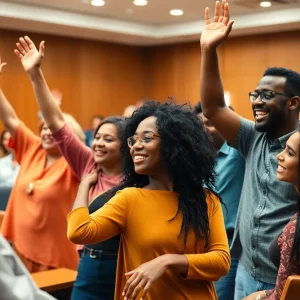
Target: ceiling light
column 140, row 2
column 176, row 12
column 97, row 2
column 265, row 4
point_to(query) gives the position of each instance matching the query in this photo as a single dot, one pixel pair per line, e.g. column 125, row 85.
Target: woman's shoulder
column 212, row 199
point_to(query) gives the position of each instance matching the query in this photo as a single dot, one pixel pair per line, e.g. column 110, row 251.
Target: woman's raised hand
column 30, row 57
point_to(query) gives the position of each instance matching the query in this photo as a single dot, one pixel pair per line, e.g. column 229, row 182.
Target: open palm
column 28, row 54
column 214, row 33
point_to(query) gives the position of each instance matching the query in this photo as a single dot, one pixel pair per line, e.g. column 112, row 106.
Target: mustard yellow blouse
column 142, row 217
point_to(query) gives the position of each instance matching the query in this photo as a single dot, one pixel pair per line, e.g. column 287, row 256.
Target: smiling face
column 271, row 114
column 288, row 160
column 106, row 146
column 47, row 141
column 146, row 155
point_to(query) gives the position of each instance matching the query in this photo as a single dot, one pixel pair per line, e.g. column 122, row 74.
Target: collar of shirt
column 281, row 141
column 224, row 149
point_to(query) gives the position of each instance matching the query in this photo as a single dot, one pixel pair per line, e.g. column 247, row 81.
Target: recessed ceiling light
column 265, row 4
column 97, row 2
column 140, row 2
column 176, row 12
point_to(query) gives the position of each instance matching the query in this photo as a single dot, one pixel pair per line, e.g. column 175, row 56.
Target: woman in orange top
column 172, row 228
column 35, row 220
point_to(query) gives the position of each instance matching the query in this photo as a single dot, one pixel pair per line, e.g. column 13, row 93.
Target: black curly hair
column 187, row 154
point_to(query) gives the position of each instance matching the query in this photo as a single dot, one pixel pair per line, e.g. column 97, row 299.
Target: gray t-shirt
column 266, row 204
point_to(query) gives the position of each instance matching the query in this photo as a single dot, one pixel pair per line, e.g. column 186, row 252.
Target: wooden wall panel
column 242, row 63
column 94, row 77
column 103, row 78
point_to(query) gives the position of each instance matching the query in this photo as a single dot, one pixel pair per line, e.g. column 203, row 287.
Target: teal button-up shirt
column 230, row 170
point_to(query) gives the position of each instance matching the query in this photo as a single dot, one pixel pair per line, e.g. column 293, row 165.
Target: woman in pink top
column 96, row 273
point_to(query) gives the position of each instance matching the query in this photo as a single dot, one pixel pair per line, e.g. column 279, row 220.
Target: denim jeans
column 225, row 286
column 245, row 284
column 96, row 277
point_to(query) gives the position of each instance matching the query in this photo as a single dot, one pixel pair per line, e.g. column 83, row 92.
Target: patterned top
column 266, row 204
column 286, row 268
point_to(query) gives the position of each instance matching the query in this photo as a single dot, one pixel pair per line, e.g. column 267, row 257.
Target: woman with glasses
column 285, row 250
column 97, row 268
column 173, row 240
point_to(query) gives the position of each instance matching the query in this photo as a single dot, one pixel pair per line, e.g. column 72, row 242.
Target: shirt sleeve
column 286, row 267
column 105, row 223
column 75, row 152
column 245, row 136
column 215, row 263
column 22, row 141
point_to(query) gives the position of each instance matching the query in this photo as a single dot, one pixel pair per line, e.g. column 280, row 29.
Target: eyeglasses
column 265, row 96
column 144, row 138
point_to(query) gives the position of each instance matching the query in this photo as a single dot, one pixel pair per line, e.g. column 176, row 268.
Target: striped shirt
column 266, row 204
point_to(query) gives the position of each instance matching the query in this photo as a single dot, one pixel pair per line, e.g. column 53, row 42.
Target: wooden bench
column 54, row 280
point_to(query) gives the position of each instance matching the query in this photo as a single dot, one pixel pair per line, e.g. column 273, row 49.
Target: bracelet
column 258, row 297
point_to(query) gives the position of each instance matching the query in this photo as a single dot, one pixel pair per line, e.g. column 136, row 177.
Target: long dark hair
column 187, row 154
column 4, row 150
column 296, row 244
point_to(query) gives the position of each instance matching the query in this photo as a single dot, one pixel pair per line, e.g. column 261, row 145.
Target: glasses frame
column 140, row 139
column 263, row 96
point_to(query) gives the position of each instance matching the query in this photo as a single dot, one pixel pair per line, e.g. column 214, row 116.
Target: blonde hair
column 71, row 123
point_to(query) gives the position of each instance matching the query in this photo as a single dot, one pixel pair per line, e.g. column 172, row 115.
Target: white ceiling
column 122, row 21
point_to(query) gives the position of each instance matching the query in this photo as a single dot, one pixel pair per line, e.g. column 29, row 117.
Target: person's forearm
column 82, row 198
column 211, row 89
column 177, row 262
column 49, row 108
column 7, row 114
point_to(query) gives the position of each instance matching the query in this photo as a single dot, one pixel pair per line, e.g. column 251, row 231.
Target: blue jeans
column 96, row 277
column 245, row 284
column 225, row 286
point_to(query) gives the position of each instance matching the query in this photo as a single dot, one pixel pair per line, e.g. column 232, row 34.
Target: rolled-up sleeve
column 215, row 263
column 105, row 223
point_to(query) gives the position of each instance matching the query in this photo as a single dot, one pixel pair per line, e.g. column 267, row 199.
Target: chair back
column 291, row 289
column 2, row 214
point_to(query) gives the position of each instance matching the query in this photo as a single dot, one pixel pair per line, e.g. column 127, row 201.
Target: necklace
column 29, row 188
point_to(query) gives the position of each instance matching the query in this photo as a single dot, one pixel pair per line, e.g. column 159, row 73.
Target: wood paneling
column 174, row 69
column 94, row 77
column 103, row 78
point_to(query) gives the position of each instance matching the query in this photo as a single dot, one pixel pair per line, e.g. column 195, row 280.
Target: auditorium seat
column 55, row 280
column 2, row 214
column 291, row 289
column 4, row 196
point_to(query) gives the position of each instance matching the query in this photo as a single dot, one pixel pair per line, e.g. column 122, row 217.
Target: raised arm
column 211, row 89
column 31, row 60
column 8, row 115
